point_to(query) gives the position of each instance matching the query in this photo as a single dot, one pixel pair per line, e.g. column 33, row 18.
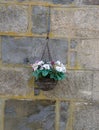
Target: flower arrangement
column 53, row 70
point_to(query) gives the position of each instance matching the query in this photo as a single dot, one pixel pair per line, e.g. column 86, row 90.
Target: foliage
column 55, row 70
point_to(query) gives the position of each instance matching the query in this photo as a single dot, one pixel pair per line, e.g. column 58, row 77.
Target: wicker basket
column 46, row 83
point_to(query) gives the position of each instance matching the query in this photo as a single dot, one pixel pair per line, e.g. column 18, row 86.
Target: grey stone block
column 85, row 53
column 16, row 50
column 96, row 96
column 75, row 23
column 0, row 49
column 59, row 50
column 13, row 82
column 73, row 44
column 5, row 1
column 64, row 115
column 88, row 53
column 13, row 18
column 87, row 2
column 96, row 82
column 62, row 1
column 35, row 1
column 73, row 59
column 39, row 19
column 86, row 116
column 2, row 102
column 77, row 85
column 29, row 115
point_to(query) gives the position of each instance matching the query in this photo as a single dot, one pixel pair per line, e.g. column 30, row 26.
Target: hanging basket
column 46, row 83
column 47, row 80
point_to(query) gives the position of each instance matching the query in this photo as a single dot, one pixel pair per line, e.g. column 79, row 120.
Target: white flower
column 35, row 68
column 62, row 65
column 58, row 68
column 46, row 66
column 40, row 62
column 64, row 69
column 58, row 62
column 33, row 65
column 42, row 65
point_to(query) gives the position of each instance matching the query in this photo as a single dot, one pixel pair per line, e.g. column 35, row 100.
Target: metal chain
column 47, row 39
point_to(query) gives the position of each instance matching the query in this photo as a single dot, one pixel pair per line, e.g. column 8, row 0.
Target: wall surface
column 74, row 40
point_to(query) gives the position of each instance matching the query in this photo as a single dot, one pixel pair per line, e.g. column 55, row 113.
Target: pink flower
column 52, row 62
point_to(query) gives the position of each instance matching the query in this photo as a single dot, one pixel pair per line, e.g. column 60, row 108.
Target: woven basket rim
column 46, row 83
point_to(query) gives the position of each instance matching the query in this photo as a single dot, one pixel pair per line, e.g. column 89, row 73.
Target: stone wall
column 74, row 40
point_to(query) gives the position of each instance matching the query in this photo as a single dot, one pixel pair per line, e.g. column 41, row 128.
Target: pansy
column 34, row 65
column 40, row 62
column 58, row 63
column 58, row 68
column 46, row 66
column 35, row 68
column 64, row 69
column 55, row 70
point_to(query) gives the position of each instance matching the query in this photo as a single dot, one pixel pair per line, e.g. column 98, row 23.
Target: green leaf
column 63, row 75
column 45, row 73
column 52, row 76
column 52, row 73
column 58, row 77
column 37, row 74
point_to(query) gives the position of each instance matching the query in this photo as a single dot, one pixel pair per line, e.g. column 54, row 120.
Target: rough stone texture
column 78, row 84
column 59, row 50
column 48, row 1
column 96, row 81
column 75, row 23
column 13, row 82
column 96, row 86
column 64, row 115
column 73, row 44
column 88, row 53
column 86, row 116
column 29, row 115
column 61, row 21
column 13, row 18
column 16, row 50
column 88, row 2
column 82, row 23
column 0, row 48
column 1, row 113
column 62, row 1
column 73, row 58
column 96, row 96
column 4, row 1
column 40, row 19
